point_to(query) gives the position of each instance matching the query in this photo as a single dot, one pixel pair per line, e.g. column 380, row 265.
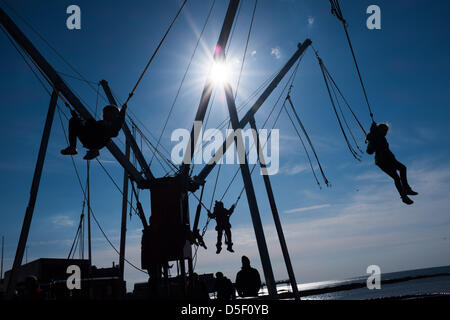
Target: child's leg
column 75, row 127
column 219, row 237
column 402, row 169
column 228, row 235
column 96, row 136
column 391, row 171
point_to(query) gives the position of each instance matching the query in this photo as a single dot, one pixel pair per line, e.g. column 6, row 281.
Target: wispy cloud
column 62, row 221
column 302, row 209
column 292, row 170
column 276, row 52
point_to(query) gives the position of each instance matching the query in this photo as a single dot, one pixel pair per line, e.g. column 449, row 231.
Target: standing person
column 248, row 281
column 387, row 162
column 222, row 217
column 224, row 287
column 197, row 288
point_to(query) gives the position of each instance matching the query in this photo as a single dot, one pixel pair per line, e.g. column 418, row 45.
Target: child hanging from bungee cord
column 93, row 134
column 222, row 217
column 386, row 160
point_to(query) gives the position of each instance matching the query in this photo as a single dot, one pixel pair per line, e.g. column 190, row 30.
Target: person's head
column 383, row 128
column 219, row 275
column 110, row 112
column 219, row 204
column 245, row 262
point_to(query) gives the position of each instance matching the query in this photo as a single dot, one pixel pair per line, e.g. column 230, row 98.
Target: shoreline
column 358, row 285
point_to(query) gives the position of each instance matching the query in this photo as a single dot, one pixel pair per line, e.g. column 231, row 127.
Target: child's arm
column 231, row 210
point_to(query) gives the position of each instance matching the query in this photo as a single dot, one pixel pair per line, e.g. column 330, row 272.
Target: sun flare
column 220, row 72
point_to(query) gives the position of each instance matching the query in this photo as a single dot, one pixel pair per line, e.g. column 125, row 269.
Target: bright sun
column 220, row 72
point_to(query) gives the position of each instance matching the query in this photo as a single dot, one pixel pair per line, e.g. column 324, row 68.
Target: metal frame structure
column 131, row 172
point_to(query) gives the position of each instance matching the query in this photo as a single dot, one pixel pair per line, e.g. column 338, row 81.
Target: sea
column 411, row 284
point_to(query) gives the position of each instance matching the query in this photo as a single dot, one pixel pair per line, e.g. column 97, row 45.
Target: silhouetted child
column 222, row 217
column 94, row 135
column 386, row 160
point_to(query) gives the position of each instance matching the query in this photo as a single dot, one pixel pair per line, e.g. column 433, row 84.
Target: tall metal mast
column 274, row 209
column 219, row 54
column 21, row 247
column 1, row 265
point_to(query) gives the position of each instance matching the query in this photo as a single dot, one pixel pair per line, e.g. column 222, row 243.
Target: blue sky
column 331, row 233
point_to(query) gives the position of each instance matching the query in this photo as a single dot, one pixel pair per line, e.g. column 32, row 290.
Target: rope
column 344, row 99
column 183, row 78
column 82, row 78
column 336, row 11
column 352, row 151
column 112, row 245
column 288, row 98
column 154, row 53
column 345, row 120
column 151, row 146
column 303, row 144
column 76, row 78
column 115, row 183
column 290, row 81
column 36, row 66
column 78, row 232
column 245, row 50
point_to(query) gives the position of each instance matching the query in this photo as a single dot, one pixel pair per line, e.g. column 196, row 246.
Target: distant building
column 96, row 283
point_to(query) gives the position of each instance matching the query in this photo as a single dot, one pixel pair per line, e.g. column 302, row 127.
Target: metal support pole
column 219, row 53
column 123, row 228
column 1, row 265
column 273, row 207
column 33, row 195
column 250, row 192
column 88, row 190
